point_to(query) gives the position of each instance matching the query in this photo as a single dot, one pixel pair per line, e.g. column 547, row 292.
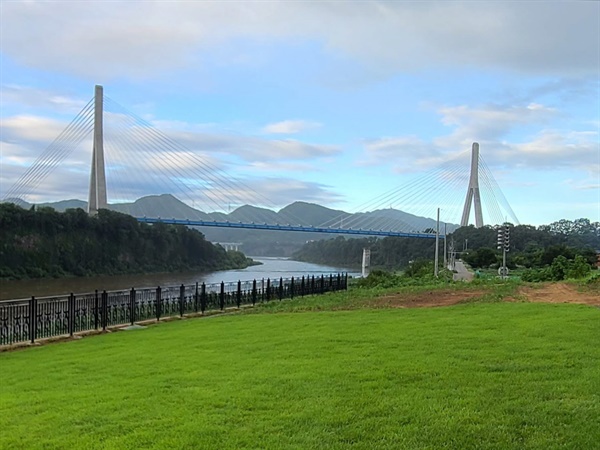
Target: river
column 270, row 268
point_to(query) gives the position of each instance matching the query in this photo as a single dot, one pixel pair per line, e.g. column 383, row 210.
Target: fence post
column 339, row 282
column 254, row 292
column 196, row 298
column 330, row 287
column 158, row 303
column 268, row 289
column 104, row 310
column 132, row 305
column 203, row 298
column 222, row 296
column 322, row 284
column 96, row 312
column 262, row 291
column 32, row 319
column 292, row 289
column 181, row 300
column 312, row 285
column 346, row 281
column 71, row 308
column 302, row 286
column 239, row 294
column 280, row 288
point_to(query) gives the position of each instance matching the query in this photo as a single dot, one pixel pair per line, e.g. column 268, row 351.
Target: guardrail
column 64, row 315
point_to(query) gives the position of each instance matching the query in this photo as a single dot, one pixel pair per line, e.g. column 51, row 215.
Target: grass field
column 480, row 375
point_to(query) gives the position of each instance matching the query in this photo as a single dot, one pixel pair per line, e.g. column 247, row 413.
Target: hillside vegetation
column 530, row 247
column 44, row 242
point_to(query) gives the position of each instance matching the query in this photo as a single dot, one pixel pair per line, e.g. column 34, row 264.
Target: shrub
column 379, row 278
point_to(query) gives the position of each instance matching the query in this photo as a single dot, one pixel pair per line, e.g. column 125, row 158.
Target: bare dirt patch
column 543, row 293
column 425, row 299
column 560, row 293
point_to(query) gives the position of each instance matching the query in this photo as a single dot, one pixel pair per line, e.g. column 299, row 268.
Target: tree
column 483, row 257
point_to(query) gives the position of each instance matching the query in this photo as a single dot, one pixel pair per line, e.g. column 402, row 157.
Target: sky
column 334, row 103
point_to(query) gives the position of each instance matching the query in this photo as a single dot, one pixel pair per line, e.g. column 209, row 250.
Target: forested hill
column 389, row 252
column 46, row 243
column 529, row 246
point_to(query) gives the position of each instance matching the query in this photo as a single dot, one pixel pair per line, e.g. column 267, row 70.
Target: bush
column 537, row 275
column 578, row 268
column 561, row 269
column 379, row 278
column 419, row 268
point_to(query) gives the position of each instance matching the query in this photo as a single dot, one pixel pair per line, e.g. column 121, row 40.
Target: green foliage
column 530, row 247
column 537, row 275
column 419, row 268
column 593, row 279
column 560, row 269
column 46, row 243
column 379, row 278
column 418, row 273
column 578, row 268
column 387, row 253
column 481, row 258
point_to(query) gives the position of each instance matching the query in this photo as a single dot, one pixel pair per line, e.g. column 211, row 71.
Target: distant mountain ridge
column 261, row 242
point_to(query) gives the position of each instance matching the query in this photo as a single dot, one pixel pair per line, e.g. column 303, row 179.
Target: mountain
column 166, row 206
column 384, row 218
column 303, row 213
column 60, row 206
column 249, row 213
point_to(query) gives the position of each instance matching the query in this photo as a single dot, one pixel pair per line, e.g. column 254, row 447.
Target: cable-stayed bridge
column 134, row 165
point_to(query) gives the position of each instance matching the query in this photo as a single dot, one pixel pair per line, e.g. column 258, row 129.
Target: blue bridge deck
column 278, row 227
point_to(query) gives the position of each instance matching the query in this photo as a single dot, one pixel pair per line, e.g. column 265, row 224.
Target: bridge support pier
column 366, row 262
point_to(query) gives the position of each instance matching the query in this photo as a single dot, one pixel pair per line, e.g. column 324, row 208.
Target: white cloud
column 143, row 39
column 275, row 166
column 20, row 95
column 290, row 127
column 31, row 128
column 197, row 165
column 540, row 148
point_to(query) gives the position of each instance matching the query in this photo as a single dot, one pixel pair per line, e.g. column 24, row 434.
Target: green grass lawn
column 478, row 375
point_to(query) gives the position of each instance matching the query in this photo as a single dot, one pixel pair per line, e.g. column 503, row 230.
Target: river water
column 270, row 268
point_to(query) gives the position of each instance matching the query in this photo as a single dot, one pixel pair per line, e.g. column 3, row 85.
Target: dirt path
column 546, row 292
column 425, row 299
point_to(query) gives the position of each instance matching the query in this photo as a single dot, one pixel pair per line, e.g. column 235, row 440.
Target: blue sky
column 329, row 102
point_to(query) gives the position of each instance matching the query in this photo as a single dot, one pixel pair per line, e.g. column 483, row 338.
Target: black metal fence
column 45, row 317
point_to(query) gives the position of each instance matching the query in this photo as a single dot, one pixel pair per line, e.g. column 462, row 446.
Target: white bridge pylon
column 97, row 195
column 473, row 195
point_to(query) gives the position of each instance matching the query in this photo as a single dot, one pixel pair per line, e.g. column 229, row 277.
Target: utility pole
column 445, row 247
column 437, row 244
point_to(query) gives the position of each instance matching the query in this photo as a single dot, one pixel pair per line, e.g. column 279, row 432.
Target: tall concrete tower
column 97, row 196
column 473, row 191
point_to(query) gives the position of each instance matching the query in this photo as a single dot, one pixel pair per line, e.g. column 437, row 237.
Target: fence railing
column 62, row 315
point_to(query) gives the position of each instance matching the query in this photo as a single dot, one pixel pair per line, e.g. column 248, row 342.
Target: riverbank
column 266, row 268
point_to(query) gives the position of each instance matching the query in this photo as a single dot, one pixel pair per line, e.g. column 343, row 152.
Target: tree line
column 530, row 247
column 42, row 242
